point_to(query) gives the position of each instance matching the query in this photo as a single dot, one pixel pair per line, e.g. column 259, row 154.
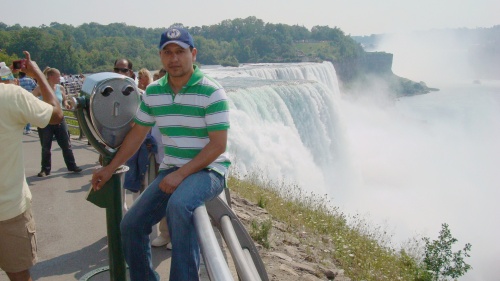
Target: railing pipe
column 244, row 270
column 214, row 260
column 251, row 264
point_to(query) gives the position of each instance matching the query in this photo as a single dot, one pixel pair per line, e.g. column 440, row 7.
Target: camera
column 18, row 64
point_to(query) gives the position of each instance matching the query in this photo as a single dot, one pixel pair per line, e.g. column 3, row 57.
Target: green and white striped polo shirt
column 185, row 119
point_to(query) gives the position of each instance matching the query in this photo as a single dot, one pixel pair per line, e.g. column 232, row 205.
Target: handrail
column 80, row 132
column 214, row 260
column 244, row 270
column 245, row 255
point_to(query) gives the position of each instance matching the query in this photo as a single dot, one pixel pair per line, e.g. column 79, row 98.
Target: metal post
column 109, row 197
column 117, row 265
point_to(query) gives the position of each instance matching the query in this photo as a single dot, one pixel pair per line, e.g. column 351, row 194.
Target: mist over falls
column 408, row 164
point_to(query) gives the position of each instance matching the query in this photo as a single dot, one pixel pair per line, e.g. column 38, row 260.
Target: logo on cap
column 173, row 34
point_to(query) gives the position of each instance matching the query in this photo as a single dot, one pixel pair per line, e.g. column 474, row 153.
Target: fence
column 72, row 88
column 72, row 122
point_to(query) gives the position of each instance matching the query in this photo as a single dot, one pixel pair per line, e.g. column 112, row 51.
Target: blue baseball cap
column 176, row 35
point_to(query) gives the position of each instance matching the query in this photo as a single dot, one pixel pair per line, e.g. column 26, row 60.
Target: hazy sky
column 354, row 17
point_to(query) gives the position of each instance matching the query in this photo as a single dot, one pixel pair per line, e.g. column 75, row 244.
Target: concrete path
column 71, row 231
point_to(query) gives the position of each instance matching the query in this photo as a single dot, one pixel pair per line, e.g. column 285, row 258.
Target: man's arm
column 215, row 147
column 36, row 92
column 135, row 137
column 46, row 91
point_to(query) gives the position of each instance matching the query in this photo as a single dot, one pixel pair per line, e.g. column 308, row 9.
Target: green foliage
column 8, row 59
column 92, row 47
column 260, row 232
column 441, row 261
column 262, row 202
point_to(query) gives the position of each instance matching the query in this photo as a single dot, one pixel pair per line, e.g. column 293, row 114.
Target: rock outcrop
column 292, row 255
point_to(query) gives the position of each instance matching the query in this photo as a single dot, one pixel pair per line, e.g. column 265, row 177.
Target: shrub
column 440, row 261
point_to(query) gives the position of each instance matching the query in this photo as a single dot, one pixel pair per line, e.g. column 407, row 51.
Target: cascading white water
column 284, row 121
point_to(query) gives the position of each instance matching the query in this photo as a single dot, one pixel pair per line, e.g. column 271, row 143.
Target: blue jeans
column 179, row 206
column 60, row 131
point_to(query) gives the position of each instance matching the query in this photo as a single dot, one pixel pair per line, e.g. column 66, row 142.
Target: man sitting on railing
column 192, row 113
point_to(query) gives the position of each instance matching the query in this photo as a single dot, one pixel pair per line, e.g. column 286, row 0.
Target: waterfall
column 284, row 121
column 411, row 164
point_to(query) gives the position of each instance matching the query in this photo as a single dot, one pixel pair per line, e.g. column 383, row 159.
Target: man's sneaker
column 160, row 241
column 76, row 170
column 43, row 174
column 169, row 246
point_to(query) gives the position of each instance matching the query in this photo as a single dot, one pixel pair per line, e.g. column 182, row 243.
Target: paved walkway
column 71, row 231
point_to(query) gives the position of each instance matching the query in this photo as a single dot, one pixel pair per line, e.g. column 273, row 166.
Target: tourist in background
column 144, row 78
column 159, row 74
column 124, row 67
column 59, row 131
column 17, row 225
column 29, row 85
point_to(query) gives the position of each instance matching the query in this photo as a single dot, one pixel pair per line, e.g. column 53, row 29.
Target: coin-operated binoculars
column 105, row 110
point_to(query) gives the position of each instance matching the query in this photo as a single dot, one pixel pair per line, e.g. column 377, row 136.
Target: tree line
column 92, row 47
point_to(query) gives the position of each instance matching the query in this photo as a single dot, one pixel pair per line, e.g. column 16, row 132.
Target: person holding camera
column 18, row 107
column 60, row 131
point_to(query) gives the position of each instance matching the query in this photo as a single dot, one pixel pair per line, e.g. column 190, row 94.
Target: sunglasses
column 121, row 70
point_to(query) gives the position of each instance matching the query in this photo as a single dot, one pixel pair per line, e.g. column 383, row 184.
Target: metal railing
column 249, row 265
column 72, row 88
column 74, row 120
column 72, row 117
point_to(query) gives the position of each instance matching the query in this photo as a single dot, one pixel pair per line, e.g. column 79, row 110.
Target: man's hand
column 170, row 183
column 100, row 177
column 67, row 104
column 31, row 68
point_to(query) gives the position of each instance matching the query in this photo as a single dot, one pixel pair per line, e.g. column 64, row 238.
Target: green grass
column 260, row 232
column 313, row 49
column 72, row 130
column 363, row 251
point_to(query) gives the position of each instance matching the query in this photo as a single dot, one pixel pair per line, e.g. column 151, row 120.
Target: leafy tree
column 93, row 47
column 441, row 261
column 264, row 45
column 207, row 50
column 230, row 61
column 299, row 33
column 7, row 58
